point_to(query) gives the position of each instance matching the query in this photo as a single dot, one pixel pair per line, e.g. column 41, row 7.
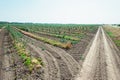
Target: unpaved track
column 102, row 61
column 6, row 60
column 7, row 64
column 100, row 72
column 113, row 69
column 1, row 51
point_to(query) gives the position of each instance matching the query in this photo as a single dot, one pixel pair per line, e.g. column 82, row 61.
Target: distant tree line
column 118, row 24
column 3, row 23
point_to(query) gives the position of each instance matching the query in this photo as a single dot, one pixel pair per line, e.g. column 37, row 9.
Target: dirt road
column 102, row 61
column 6, row 57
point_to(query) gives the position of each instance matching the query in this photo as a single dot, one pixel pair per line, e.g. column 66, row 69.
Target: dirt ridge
column 51, row 69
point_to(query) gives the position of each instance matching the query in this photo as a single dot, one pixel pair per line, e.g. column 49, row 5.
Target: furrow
column 7, row 59
column 51, row 68
column 64, row 64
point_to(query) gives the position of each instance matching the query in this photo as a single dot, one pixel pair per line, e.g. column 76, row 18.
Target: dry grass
column 114, row 32
column 52, row 42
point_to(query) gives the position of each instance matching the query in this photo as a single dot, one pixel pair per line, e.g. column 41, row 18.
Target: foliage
column 52, row 42
column 20, row 47
column 110, row 34
column 65, row 32
column 113, row 32
column 117, row 42
column 28, row 62
column 2, row 24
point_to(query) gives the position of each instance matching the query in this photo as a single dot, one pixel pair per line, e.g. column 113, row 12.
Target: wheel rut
column 64, row 71
column 101, row 71
column 2, row 33
column 7, row 63
column 67, row 65
column 102, row 60
column 51, row 68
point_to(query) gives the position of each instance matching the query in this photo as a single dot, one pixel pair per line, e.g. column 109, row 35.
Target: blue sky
column 60, row 11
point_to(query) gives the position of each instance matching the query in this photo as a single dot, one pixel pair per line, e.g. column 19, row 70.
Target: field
column 32, row 51
column 114, row 33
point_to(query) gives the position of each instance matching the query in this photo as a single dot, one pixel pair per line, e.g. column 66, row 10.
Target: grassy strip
column 61, row 36
column 110, row 34
column 52, row 42
column 30, row 62
column 116, row 41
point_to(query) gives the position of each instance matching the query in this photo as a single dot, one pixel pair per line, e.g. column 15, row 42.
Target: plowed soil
column 95, row 57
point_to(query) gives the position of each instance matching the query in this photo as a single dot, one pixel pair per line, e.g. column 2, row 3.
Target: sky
column 61, row 11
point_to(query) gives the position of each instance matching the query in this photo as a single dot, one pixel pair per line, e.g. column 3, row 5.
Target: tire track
column 64, row 71
column 51, row 70
column 101, row 72
column 68, row 66
column 113, row 70
column 8, row 72
column 87, row 71
column 116, row 51
column 1, row 52
column 69, row 60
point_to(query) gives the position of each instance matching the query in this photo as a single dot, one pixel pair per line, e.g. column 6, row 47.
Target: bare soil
column 1, row 51
column 51, row 68
column 78, row 49
column 60, row 64
column 11, row 65
column 67, row 66
column 6, row 57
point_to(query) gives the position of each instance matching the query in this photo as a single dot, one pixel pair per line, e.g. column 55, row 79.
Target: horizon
column 61, row 11
column 56, row 23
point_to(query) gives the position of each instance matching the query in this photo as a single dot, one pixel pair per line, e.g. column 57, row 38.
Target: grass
column 114, row 34
column 110, row 34
column 60, row 36
column 117, row 42
column 81, row 57
column 29, row 61
column 52, row 42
